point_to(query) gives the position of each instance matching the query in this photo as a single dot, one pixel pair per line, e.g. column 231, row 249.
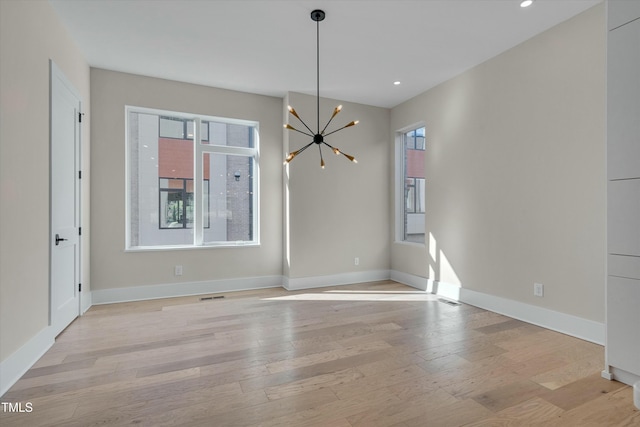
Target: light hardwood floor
column 375, row 354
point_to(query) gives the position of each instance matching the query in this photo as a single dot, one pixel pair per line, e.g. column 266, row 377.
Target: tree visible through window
column 187, row 187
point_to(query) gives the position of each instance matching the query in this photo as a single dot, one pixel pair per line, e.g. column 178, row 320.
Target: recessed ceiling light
column 526, row 3
column 397, row 82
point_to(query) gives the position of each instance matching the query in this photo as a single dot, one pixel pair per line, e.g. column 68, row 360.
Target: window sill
column 414, row 244
column 191, row 247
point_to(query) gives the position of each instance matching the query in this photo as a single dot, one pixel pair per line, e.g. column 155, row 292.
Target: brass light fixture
column 318, row 136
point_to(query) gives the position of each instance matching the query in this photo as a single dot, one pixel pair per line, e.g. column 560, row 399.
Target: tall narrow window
column 192, row 180
column 411, row 186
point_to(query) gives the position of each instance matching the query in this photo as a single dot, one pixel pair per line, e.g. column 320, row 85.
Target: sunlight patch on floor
column 346, row 295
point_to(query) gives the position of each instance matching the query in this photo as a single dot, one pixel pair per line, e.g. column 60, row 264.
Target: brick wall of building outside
column 239, row 196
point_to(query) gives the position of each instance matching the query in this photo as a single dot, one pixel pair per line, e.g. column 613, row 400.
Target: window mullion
column 198, row 176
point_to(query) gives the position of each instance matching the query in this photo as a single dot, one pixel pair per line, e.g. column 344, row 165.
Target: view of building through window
column 165, row 159
column 413, row 149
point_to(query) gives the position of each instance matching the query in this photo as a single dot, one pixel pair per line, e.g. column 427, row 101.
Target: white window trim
column 198, row 152
column 399, row 185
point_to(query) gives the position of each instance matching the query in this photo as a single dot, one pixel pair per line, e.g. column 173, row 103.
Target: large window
column 410, row 212
column 192, row 180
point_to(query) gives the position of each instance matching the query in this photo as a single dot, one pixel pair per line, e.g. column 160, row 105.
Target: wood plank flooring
column 374, row 354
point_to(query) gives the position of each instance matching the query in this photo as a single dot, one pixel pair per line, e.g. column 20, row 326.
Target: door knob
column 59, row 239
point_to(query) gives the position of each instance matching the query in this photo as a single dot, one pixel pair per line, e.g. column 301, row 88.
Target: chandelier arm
column 337, row 130
column 304, row 148
column 304, row 133
column 321, row 158
column 350, row 157
column 295, row 153
column 327, row 125
column 305, row 125
column 353, row 123
column 328, row 145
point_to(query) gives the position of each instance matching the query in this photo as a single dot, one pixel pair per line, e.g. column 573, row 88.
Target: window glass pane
column 410, row 191
column 420, row 197
column 204, row 131
column 189, row 129
column 413, row 216
column 171, row 183
column 159, row 166
column 171, row 209
column 171, row 127
column 229, row 208
column 229, row 134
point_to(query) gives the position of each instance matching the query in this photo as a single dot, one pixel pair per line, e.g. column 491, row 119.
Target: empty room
column 320, row 213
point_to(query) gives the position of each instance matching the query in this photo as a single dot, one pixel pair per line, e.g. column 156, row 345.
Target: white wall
column 515, row 167
column 114, row 268
column 31, row 35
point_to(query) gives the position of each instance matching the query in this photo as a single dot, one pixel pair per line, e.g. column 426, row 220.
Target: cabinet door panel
column 623, row 217
column 623, row 102
column 623, row 318
column 624, row 266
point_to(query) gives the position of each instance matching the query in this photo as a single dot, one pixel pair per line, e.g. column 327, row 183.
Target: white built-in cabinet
column 623, row 191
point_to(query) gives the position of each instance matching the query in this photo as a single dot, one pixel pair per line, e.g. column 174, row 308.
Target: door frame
column 56, row 76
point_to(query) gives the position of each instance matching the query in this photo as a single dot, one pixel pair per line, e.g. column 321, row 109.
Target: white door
column 65, row 201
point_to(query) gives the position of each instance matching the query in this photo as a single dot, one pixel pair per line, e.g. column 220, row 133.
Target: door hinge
column 79, row 287
column 79, row 174
column 79, row 231
column 80, row 117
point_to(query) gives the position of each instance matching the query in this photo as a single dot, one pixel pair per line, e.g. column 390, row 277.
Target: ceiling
column 269, row 46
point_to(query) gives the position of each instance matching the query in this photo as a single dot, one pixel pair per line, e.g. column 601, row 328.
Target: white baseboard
column 417, row 282
column 578, row 327
column 14, row 366
column 621, row 375
column 85, row 301
column 298, row 283
column 137, row 293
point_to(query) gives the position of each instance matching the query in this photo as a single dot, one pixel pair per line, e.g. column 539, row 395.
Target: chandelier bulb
column 337, row 151
column 353, row 159
column 293, row 112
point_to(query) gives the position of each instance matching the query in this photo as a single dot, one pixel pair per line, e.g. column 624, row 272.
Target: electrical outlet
column 356, row 261
column 538, row 289
column 177, row 270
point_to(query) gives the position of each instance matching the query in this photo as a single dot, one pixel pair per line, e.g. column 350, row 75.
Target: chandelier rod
column 318, row 73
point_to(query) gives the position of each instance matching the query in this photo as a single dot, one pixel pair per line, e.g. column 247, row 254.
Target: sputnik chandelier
column 318, row 137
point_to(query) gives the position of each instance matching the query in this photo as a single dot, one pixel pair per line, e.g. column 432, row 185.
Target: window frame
column 201, row 146
column 401, row 184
